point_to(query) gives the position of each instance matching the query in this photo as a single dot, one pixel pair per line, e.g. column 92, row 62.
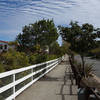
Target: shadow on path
column 68, row 83
column 48, row 78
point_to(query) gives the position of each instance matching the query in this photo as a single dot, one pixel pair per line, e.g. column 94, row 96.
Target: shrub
column 1, row 68
column 88, row 68
column 32, row 59
column 96, row 53
column 21, row 59
column 51, row 57
column 41, row 58
column 13, row 60
column 44, row 57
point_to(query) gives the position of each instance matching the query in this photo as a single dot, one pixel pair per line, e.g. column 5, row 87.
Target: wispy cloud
column 8, row 34
column 16, row 13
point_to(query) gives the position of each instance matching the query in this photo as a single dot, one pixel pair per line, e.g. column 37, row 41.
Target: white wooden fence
column 34, row 70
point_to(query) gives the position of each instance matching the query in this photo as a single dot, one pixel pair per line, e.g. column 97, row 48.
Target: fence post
column 14, row 86
column 49, row 66
column 32, row 75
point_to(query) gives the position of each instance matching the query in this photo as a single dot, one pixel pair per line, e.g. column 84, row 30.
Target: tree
column 54, row 47
column 41, row 33
column 65, row 47
column 81, row 38
column 58, row 50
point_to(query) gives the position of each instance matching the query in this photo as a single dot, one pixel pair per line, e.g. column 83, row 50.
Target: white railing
column 36, row 72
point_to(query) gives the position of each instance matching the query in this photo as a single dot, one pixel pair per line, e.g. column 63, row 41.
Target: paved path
column 56, row 85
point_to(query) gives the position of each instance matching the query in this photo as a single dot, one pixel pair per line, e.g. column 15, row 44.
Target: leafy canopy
column 82, row 38
column 42, row 32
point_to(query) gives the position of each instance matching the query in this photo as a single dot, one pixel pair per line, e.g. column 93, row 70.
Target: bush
column 32, row 59
column 41, row 58
column 13, row 60
column 51, row 57
column 96, row 53
column 1, row 68
column 88, row 68
column 44, row 57
column 22, row 59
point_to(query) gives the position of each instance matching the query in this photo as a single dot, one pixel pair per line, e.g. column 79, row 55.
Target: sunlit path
column 56, row 85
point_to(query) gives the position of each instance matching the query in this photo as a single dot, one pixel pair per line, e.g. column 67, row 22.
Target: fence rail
column 35, row 72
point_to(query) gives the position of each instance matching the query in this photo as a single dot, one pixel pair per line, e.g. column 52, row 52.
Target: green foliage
column 42, row 32
column 13, row 60
column 1, row 68
column 41, row 58
column 82, row 39
column 32, row 59
column 54, row 47
column 37, row 48
column 96, row 53
column 1, row 97
column 13, row 43
column 65, row 46
column 22, row 59
column 64, row 49
column 58, row 50
column 97, row 50
column 88, row 68
column 51, row 57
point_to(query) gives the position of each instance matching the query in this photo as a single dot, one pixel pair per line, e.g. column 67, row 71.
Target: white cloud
column 62, row 11
column 11, row 33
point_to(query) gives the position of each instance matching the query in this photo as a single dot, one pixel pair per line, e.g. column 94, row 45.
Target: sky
column 14, row 14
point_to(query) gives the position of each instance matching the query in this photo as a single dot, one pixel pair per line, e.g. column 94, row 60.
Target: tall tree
column 81, row 38
column 54, row 48
column 42, row 32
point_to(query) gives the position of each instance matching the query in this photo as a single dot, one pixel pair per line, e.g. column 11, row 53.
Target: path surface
column 56, row 85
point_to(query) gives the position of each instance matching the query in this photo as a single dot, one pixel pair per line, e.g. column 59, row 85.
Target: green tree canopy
column 42, row 32
column 58, row 50
column 81, row 38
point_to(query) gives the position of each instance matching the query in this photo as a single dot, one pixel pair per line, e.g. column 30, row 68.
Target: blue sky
column 14, row 14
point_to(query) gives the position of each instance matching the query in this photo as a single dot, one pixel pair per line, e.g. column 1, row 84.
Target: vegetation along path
column 56, row 85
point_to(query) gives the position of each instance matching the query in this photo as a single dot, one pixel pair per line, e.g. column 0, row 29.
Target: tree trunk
column 83, row 65
column 72, row 57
